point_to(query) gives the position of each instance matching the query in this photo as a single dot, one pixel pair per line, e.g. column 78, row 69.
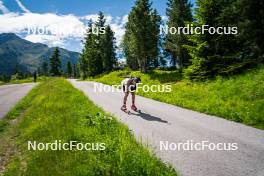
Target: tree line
column 54, row 67
column 199, row 55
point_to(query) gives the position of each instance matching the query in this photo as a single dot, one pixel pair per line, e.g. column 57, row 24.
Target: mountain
column 17, row 53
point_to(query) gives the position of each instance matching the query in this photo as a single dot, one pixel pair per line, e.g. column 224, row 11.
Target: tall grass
column 239, row 98
column 57, row 111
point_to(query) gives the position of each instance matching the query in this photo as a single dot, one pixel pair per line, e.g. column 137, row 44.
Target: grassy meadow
column 239, row 98
column 54, row 110
column 26, row 80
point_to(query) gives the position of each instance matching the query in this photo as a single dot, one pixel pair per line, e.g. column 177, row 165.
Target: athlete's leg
column 133, row 101
column 133, row 98
column 125, row 98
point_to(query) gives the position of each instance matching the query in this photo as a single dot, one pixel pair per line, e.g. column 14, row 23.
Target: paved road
column 11, row 94
column 164, row 122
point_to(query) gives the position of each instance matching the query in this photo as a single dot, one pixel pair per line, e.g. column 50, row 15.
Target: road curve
column 161, row 122
column 11, row 94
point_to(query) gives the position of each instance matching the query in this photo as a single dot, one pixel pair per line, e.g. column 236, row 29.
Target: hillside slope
column 27, row 56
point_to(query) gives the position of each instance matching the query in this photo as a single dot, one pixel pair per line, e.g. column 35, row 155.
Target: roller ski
column 124, row 109
column 134, row 108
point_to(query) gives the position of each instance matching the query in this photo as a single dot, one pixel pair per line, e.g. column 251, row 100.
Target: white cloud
column 51, row 40
column 59, row 28
column 119, row 31
column 32, row 25
column 125, row 19
column 3, row 8
column 19, row 3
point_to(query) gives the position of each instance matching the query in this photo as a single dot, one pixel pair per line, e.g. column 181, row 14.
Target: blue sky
column 81, row 7
column 17, row 15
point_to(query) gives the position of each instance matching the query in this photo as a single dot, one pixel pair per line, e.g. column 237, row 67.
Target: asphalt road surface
column 11, row 94
column 160, row 123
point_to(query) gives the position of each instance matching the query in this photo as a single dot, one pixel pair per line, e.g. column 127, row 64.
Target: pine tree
column 179, row 13
column 212, row 54
column 83, row 62
column 100, row 43
column 92, row 55
column 127, row 46
column 108, row 50
column 248, row 15
column 75, row 75
column 90, row 60
column 55, row 63
column 100, row 23
column 45, row 68
column 69, row 69
column 95, row 65
column 98, row 54
column 77, row 70
column 155, row 43
column 139, row 45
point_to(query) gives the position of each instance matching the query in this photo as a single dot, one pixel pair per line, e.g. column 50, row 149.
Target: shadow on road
column 149, row 117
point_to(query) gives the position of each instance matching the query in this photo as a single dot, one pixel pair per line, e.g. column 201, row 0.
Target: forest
column 198, row 56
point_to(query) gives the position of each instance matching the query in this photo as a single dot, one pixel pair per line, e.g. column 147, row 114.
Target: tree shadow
column 149, row 117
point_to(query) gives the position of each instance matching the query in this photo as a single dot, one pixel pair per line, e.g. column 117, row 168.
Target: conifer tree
column 98, row 55
column 108, row 50
column 248, row 15
column 83, row 62
column 129, row 52
column 69, row 69
column 212, row 54
column 140, row 43
column 74, row 71
column 94, row 57
column 55, row 63
column 155, row 43
column 100, row 43
column 179, row 13
column 45, row 68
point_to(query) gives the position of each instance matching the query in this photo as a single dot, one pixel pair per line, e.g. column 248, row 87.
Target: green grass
column 239, row 98
column 26, row 80
column 54, row 110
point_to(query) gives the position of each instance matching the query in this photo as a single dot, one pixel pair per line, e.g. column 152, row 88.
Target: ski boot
column 124, row 108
